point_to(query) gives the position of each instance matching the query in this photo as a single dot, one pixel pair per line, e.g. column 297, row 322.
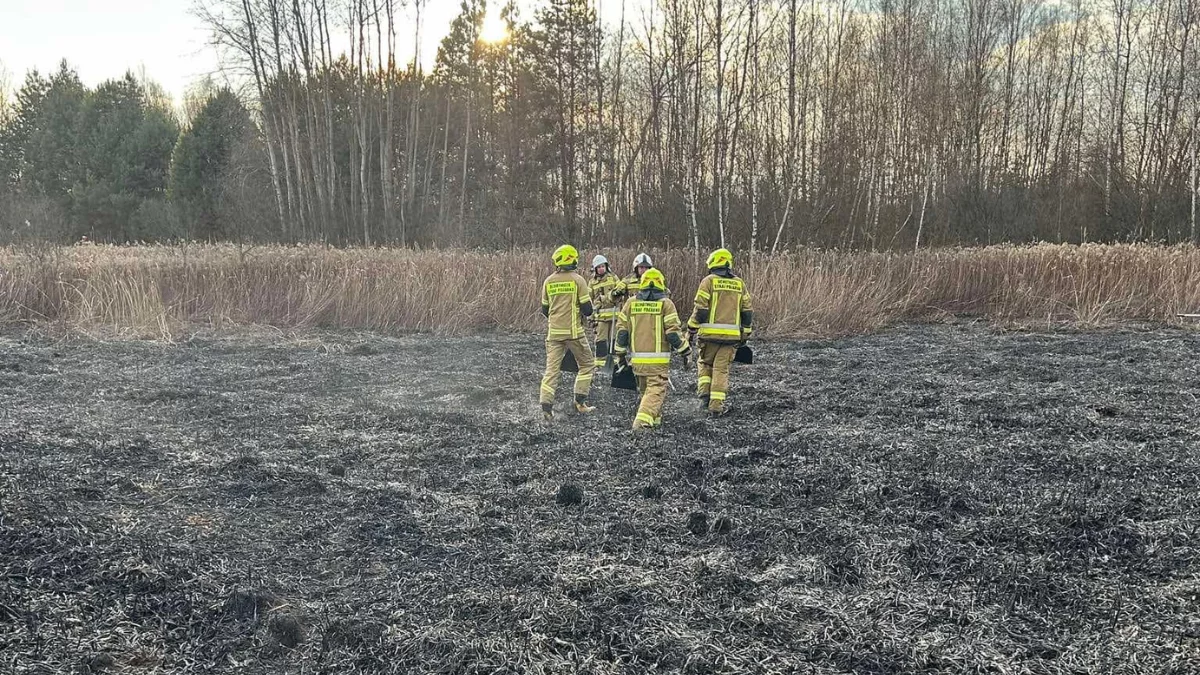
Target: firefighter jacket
column 723, row 311
column 565, row 301
column 648, row 331
column 603, row 302
column 622, row 289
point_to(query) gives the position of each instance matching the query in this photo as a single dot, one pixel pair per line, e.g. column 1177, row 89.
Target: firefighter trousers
column 654, row 393
column 555, row 350
column 713, row 380
column 604, row 337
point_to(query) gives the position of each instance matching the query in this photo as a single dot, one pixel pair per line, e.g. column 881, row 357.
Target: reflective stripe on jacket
column 648, row 326
column 563, row 293
column 720, row 303
column 601, row 289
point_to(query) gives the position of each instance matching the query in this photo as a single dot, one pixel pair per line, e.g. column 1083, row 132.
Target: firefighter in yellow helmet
column 648, row 331
column 601, row 286
column 721, row 319
column 565, row 304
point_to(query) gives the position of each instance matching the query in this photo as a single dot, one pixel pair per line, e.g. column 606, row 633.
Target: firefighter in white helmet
column 600, row 287
column 565, row 304
column 632, row 283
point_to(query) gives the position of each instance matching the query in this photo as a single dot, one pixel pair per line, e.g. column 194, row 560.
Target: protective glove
column 685, row 352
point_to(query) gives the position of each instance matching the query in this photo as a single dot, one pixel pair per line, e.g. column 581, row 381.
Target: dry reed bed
column 164, row 291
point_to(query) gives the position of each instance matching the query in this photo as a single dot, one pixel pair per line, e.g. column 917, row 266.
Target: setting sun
column 495, row 28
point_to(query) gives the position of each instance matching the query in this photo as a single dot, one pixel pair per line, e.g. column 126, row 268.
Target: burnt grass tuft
column 286, row 631
column 722, row 525
column 99, row 663
column 934, row 499
column 652, row 491
column 569, row 494
column 247, row 603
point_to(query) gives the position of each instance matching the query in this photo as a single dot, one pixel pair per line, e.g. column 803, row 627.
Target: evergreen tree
column 17, row 127
column 49, row 125
column 201, row 160
column 125, row 155
column 459, row 53
column 564, row 50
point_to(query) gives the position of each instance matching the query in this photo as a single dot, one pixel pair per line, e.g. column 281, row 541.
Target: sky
column 102, row 39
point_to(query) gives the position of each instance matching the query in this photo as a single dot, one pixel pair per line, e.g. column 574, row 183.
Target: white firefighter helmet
column 642, row 260
column 598, row 261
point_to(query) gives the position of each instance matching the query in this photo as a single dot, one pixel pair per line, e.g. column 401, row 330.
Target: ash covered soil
column 928, row 499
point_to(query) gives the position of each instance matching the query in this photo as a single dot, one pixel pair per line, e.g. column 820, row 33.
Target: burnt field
column 927, row 499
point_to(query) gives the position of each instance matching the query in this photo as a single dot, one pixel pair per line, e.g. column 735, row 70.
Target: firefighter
column 600, row 288
column 648, row 331
column 721, row 320
column 565, row 304
column 632, row 283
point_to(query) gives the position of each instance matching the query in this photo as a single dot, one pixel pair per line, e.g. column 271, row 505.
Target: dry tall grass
column 164, row 291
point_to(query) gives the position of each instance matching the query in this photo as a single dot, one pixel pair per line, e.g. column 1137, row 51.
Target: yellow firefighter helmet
column 566, row 256
column 653, row 278
column 720, row 258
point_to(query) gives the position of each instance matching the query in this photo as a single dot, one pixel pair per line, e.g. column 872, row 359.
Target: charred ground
column 929, row 499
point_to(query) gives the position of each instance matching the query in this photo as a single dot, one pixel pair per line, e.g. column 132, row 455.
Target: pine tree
column 51, row 135
column 18, row 127
column 563, row 49
column 201, row 159
column 125, row 153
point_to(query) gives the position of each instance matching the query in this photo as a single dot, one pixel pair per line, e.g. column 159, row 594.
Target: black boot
column 601, row 353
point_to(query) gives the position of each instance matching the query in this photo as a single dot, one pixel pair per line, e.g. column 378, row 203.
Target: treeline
column 74, row 155
column 758, row 123
column 112, row 164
